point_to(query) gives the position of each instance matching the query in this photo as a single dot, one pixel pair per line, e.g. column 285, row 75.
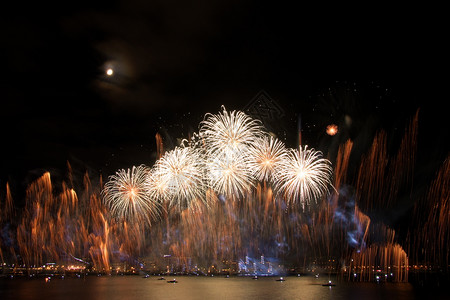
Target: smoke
column 346, row 214
column 5, row 234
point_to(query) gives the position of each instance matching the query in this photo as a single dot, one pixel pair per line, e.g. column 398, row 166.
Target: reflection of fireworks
column 332, row 129
column 126, row 195
column 178, row 177
column 303, row 176
column 265, row 158
column 230, row 132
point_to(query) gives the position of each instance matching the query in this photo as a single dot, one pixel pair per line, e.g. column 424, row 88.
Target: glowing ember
column 332, row 129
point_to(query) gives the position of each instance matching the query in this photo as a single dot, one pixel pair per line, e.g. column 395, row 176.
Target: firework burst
column 228, row 174
column 265, row 159
column 230, row 132
column 303, row 176
column 126, row 195
column 332, row 129
column 229, row 154
column 178, row 177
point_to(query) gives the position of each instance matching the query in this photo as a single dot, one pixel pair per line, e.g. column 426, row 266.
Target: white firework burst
column 228, row 155
column 229, row 175
column 178, row 177
column 126, row 195
column 230, row 132
column 303, row 176
column 266, row 158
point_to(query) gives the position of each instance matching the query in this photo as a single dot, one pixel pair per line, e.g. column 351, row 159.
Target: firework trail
column 126, row 195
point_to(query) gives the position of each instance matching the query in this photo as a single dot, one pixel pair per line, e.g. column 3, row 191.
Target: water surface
column 193, row 287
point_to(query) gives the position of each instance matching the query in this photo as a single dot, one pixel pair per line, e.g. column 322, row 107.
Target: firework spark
column 303, row 176
column 332, row 129
column 126, row 195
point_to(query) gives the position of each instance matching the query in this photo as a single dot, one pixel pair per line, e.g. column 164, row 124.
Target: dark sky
column 174, row 62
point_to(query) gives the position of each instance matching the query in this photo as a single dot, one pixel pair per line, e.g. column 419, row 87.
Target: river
column 201, row 287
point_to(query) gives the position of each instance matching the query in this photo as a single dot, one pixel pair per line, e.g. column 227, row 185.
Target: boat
column 329, row 284
column 172, row 281
column 146, row 276
column 161, row 278
column 280, row 279
column 255, row 277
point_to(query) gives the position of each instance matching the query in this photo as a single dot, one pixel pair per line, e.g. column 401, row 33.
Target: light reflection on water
column 136, row 287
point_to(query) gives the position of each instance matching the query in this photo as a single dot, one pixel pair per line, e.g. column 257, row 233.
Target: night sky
column 174, row 62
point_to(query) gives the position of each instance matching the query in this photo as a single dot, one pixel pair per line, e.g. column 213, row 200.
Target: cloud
column 155, row 48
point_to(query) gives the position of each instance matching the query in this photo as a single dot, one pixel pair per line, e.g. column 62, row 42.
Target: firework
column 231, row 132
column 332, row 129
column 205, row 232
column 229, row 174
column 265, row 159
column 303, row 176
column 126, row 196
column 178, row 177
column 195, row 141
